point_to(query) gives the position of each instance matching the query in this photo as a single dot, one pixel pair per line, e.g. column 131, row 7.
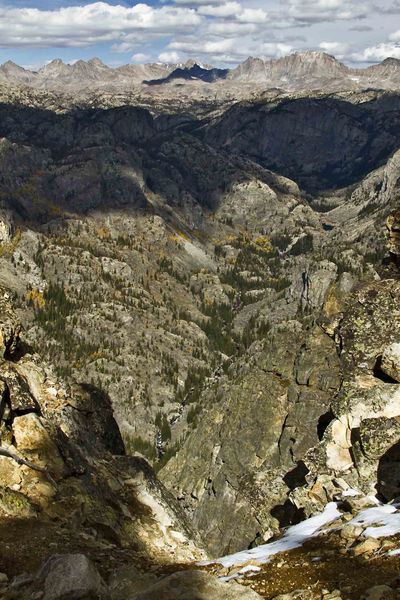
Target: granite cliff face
column 343, row 140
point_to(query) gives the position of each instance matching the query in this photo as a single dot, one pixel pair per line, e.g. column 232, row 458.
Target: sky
column 218, row 32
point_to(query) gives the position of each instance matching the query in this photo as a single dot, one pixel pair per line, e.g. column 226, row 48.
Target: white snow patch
column 250, row 569
column 374, row 500
column 294, row 537
column 351, row 493
column 384, row 521
column 395, row 552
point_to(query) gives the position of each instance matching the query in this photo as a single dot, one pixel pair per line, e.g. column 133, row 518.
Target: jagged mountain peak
column 313, row 59
column 191, row 62
column 385, row 73
column 97, row 62
column 195, row 72
column 252, row 61
column 391, row 60
column 10, row 71
column 55, row 62
column 305, row 66
column 313, row 55
column 11, row 64
column 10, row 68
column 54, row 68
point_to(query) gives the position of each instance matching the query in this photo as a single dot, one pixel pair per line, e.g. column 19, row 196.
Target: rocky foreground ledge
column 349, row 551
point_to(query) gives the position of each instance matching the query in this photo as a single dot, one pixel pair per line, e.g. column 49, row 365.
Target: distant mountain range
column 298, row 71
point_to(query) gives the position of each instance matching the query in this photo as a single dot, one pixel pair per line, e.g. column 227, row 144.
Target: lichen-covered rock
column 367, row 546
column 20, row 397
column 297, row 595
column 16, row 504
column 127, row 581
column 377, row 435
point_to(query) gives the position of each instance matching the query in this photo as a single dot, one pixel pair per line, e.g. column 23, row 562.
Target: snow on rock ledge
column 294, row 537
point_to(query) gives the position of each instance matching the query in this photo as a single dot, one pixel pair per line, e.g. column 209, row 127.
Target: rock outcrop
column 364, row 431
column 258, row 423
column 64, row 472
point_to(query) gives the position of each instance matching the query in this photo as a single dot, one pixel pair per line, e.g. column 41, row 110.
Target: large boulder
column 71, row 577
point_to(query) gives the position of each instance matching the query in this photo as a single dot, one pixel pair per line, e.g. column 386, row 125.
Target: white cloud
column 316, row 11
column 231, row 29
column 169, row 57
column 215, row 31
column 233, row 50
column 93, row 23
column 235, row 11
column 377, row 53
column 205, row 47
column 228, row 9
column 196, row 3
column 338, row 49
column 140, row 57
column 275, row 50
column 252, row 15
